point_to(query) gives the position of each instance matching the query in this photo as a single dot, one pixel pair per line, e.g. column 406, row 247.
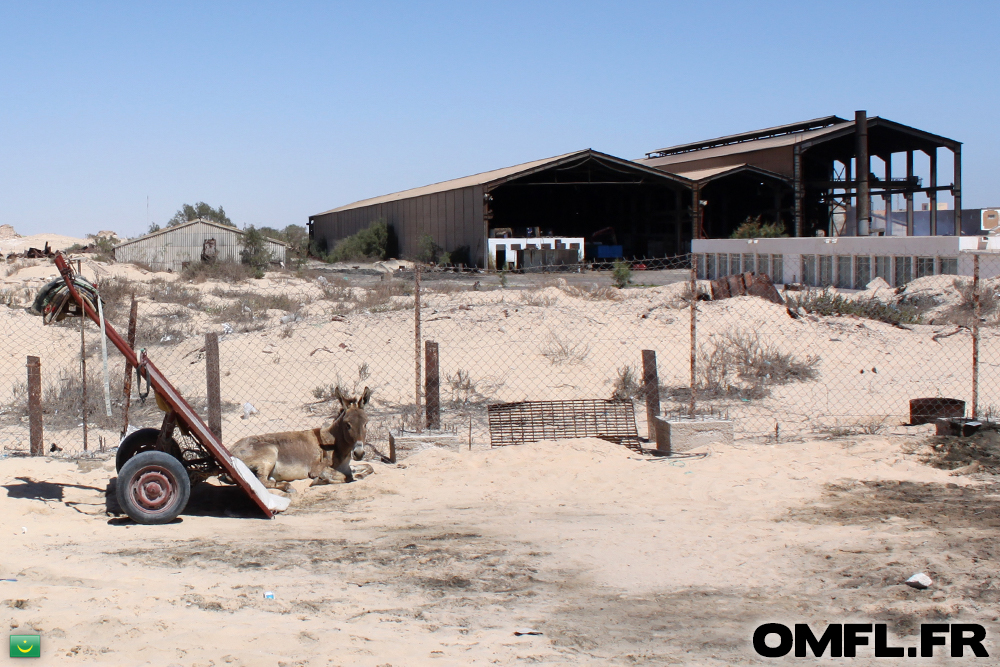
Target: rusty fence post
column 35, row 406
column 127, row 385
column 694, row 337
column 651, row 389
column 976, row 314
column 416, row 338
column 432, row 386
column 213, row 384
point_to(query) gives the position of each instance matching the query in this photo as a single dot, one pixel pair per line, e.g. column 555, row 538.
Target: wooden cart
column 156, row 469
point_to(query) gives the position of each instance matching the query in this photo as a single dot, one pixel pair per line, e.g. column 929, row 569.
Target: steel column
column 934, row 202
column 957, row 190
column 864, row 171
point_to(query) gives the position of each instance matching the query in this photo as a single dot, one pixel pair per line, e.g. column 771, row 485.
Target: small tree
column 200, row 211
column 621, row 273
column 755, row 228
column 255, row 252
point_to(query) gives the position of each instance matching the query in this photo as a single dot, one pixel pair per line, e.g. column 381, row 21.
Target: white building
column 848, row 262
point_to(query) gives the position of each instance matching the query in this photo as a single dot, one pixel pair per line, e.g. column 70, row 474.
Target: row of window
column 843, row 271
column 715, row 265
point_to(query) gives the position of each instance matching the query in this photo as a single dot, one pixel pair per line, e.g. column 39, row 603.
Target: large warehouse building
column 803, row 175
column 576, row 194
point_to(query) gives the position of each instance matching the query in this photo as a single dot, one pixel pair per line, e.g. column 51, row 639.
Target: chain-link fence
column 813, row 359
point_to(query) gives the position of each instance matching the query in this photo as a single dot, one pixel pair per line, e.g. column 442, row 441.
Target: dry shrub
column 162, row 291
column 740, row 365
column 335, row 289
column 533, row 298
column 328, row 392
column 380, row 298
column 15, row 297
column 963, row 313
column 560, row 352
column 626, row 386
column 468, row 392
column 593, row 292
column 227, row 272
column 247, row 309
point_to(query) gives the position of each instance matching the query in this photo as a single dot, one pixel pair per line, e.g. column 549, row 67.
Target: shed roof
column 781, row 136
column 176, row 228
column 498, row 176
column 702, row 175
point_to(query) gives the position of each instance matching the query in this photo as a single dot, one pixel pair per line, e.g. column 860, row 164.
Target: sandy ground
column 615, row 558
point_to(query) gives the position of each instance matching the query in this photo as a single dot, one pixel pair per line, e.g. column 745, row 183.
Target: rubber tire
column 143, row 440
column 154, row 464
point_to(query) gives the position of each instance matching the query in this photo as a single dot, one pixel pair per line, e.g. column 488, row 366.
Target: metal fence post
column 651, row 389
column 127, row 388
column 83, row 374
column 975, row 336
column 416, row 343
column 213, row 384
column 694, row 337
column 432, row 386
column 37, row 447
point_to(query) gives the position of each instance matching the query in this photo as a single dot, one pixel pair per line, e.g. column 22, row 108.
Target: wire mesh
column 826, row 360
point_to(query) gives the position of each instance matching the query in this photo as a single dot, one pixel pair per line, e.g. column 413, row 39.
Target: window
column 883, row 269
column 904, row 270
column 925, row 266
column 845, row 275
column 778, row 268
column 734, row 264
column 700, row 264
column 809, row 269
column 948, row 266
column 748, row 263
column 710, row 267
column 825, row 270
column 862, row 271
column 763, row 264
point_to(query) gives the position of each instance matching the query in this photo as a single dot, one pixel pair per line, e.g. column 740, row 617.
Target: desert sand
column 615, row 558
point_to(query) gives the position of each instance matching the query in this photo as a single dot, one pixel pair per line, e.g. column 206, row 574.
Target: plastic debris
column 920, row 581
column 268, row 595
column 527, row 631
column 227, row 328
column 249, row 409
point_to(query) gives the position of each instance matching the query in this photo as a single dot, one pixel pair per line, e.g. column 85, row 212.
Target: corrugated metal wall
column 174, row 247
column 454, row 218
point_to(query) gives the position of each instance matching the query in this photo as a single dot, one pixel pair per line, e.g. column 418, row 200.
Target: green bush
column 255, row 252
column 825, row 302
column 369, row 243
column 621, row 273
column 430, row 252
column 754, row 228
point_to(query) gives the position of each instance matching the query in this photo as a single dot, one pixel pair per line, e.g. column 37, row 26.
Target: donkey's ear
column 340, row 397
column 365, row 396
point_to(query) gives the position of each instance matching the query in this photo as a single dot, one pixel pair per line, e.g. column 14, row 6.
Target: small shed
column 173, row 248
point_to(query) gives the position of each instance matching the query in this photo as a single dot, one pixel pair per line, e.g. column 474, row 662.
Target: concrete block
column 677, row 434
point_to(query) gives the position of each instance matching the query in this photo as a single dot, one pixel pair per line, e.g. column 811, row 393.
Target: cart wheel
column 143, row 440
column 153, row 487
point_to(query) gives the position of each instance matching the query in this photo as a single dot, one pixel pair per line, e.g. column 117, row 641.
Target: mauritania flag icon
column 25, row 646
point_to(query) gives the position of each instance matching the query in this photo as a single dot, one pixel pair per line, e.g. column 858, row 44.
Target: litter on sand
column 518, row 633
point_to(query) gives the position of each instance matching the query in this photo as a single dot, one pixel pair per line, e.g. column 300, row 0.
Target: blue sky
column 280, row 110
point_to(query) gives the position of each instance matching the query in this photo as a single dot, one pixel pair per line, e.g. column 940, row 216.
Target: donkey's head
column 353, row 422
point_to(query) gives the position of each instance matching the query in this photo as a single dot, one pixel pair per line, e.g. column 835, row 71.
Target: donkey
column 321, row 454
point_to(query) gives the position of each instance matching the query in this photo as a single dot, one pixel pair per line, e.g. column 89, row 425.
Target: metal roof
column 498, row 176
column 779, row 130
column 702, row 175
column 175, row 228
column 753, row 141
